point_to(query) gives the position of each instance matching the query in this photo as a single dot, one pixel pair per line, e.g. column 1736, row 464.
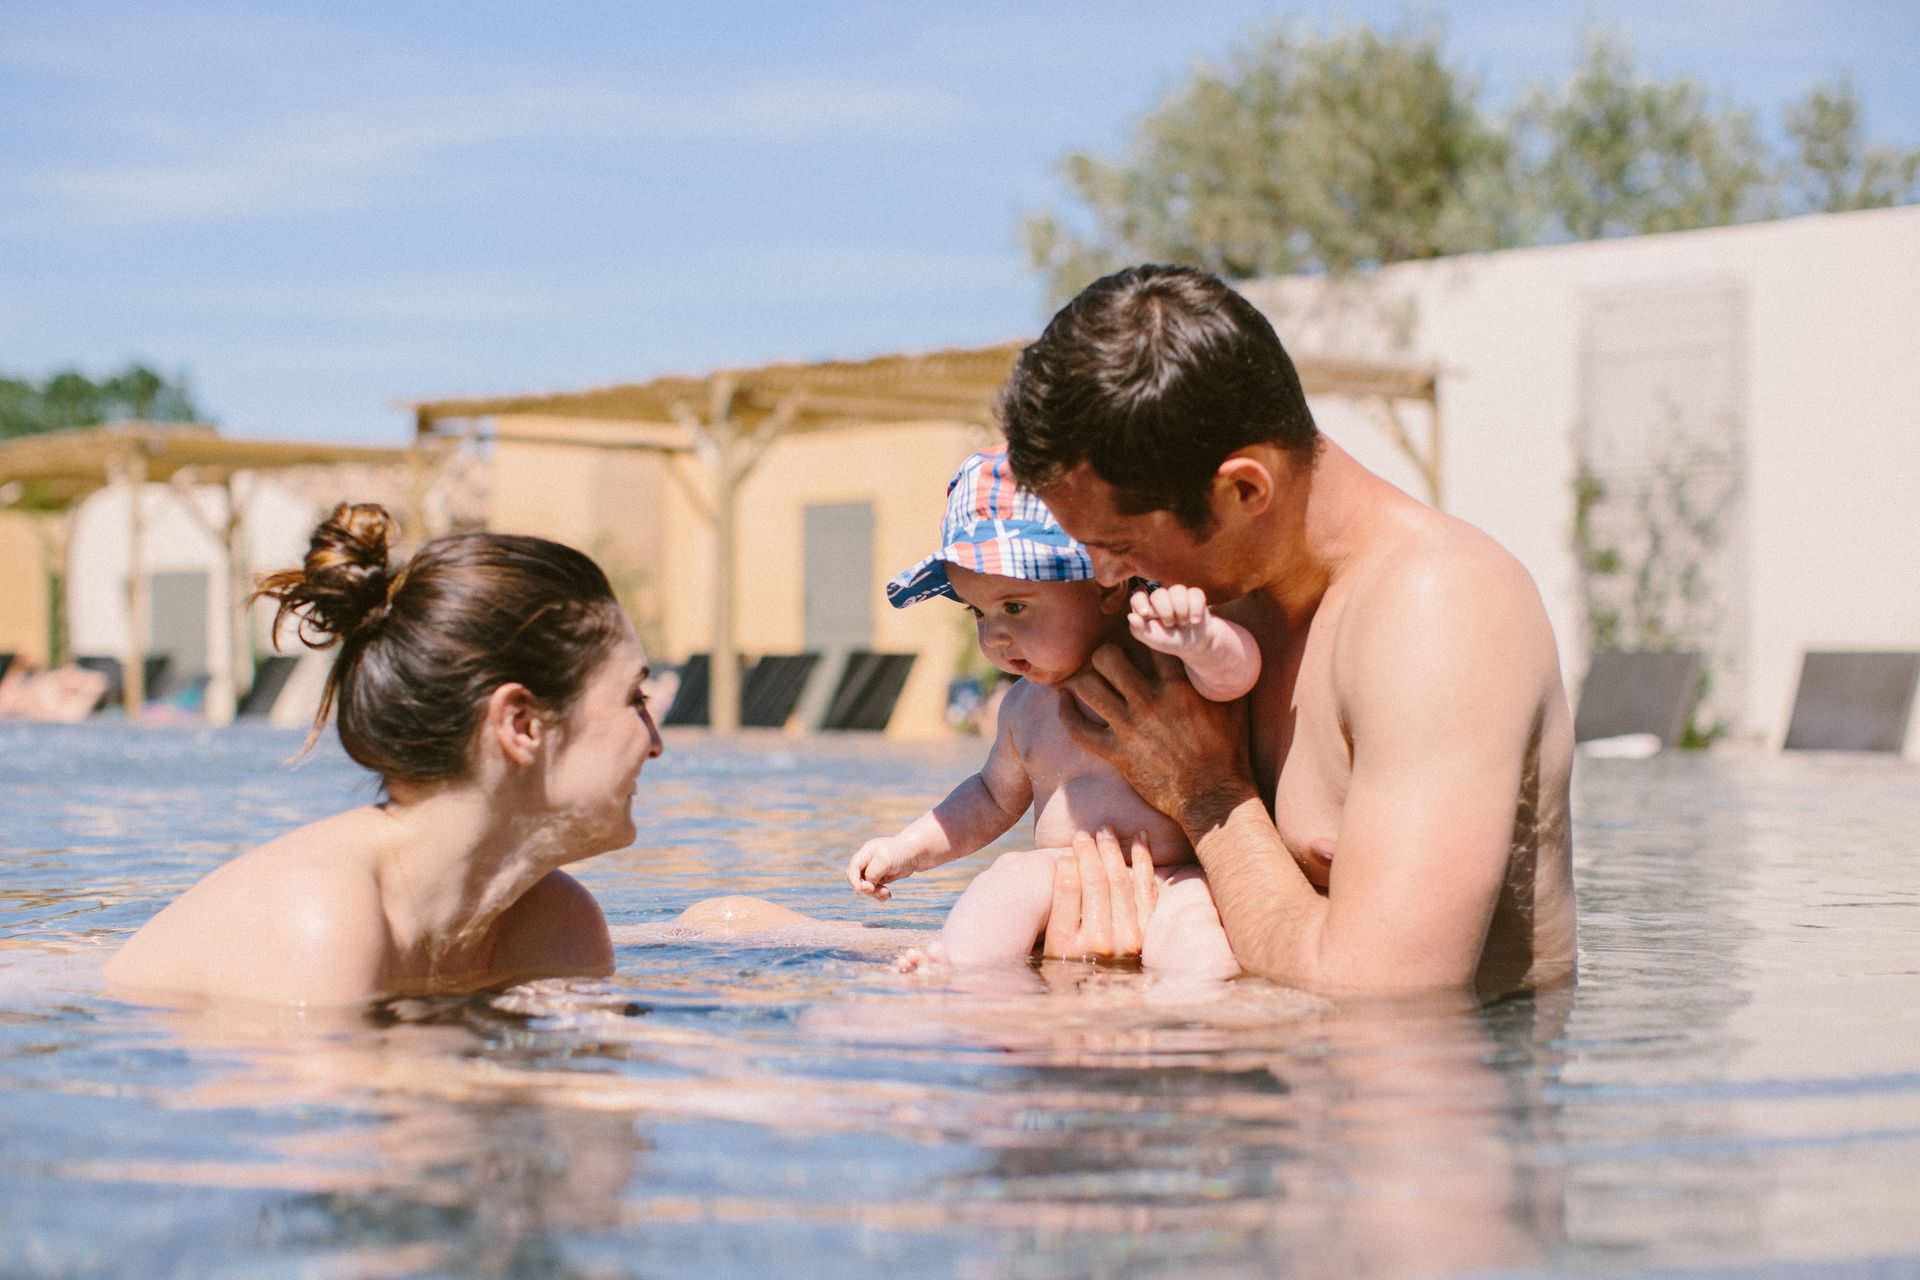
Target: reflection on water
column 1737, row 1078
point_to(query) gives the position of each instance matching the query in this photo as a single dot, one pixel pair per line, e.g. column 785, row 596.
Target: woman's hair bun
column 345, row 584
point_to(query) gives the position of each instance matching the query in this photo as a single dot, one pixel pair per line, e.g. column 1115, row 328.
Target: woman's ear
column 514, row 723
column 1245, row 482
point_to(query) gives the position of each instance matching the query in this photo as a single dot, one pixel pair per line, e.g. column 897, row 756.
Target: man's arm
column 1440, row 674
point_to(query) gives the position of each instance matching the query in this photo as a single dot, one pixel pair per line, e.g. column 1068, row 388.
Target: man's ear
column 514, row 724
column 1245, row 482
column 1114, row 599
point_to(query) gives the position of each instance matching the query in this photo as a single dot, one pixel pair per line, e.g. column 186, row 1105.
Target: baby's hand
column 878, row 862
column 1172, row 620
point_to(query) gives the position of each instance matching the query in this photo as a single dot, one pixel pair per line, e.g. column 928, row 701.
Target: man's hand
column 1101, row 904
column 1175, row 748
column 878, row 863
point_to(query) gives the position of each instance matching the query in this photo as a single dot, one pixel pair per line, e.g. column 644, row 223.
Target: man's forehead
column 1084, row 505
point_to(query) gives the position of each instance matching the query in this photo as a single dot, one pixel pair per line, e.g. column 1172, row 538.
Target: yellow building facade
column 823, row 520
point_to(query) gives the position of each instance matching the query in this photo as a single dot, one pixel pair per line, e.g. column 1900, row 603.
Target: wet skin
column 1389, row 812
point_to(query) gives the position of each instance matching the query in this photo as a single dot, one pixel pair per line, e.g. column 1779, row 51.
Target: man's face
column 1153, row 545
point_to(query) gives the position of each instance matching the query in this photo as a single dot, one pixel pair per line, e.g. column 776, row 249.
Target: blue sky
column 320, row 211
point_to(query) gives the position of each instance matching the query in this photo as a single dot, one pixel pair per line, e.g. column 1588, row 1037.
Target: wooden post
column 133, row 675
column 225, row 691
column 1435, row 442
column 239, row 593
column 60, row 642
column 723, row 680
column 416, row 530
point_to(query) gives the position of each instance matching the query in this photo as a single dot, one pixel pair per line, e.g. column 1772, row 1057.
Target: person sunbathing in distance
column 1039, row 615
column 493, row 683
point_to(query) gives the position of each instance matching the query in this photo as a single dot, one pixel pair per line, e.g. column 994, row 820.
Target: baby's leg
column 1184, row 935
column 737, row 913
column 1003, row 912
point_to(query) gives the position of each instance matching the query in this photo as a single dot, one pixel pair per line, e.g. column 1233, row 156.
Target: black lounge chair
column 155, row 669
column 773, row 689
column 689, row 705
column 869, row 687
column 269, row 679
column 1642, row 691
column 1853, row 702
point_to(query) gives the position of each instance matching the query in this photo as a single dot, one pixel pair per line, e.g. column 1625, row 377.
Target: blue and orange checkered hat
column 993, row 526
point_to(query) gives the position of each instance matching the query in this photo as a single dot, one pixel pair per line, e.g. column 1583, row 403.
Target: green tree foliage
column 1613, row 153
column 1338, row 152
column 1302, row 153
column 1832, row 167
column 69, row 398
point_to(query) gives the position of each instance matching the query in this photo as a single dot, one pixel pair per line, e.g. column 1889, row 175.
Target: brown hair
column 423, row 647
column 1153, row 375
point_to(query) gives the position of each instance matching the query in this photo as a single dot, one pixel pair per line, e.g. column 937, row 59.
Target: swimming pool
column 1734, row 1087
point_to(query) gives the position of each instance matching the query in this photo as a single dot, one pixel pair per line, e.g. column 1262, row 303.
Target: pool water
column 1732, row 1089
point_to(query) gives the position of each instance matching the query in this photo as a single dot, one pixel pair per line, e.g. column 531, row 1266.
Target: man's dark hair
column 1153, row 375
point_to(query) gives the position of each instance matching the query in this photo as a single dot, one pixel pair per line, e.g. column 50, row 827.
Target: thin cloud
column 207, row 168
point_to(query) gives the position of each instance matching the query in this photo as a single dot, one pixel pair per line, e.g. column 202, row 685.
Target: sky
column 322, row 212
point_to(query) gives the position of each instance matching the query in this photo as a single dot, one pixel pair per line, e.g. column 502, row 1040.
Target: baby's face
column 1044, row 631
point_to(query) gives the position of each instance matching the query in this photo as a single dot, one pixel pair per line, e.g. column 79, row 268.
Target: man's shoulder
column 1438, row 562
column 1444, row 594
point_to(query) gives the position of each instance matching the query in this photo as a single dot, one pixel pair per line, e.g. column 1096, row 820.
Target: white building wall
column 278, row 524
column 1832, row 415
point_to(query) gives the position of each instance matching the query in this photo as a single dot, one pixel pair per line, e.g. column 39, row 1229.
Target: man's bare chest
column 1300, row 752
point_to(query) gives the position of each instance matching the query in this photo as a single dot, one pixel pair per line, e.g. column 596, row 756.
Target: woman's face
column 605, row 741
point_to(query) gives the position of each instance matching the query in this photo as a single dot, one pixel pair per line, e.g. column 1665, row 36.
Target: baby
column 1040, row 615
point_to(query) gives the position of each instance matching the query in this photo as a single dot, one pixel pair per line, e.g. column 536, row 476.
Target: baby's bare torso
column 1073, row 789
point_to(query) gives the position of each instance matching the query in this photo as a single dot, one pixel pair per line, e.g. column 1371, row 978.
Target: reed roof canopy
column 953, row 385
column 726, row 420
column 63, row 467
column 59, row 469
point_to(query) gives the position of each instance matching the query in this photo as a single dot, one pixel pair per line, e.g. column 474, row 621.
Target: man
column 1388, row 810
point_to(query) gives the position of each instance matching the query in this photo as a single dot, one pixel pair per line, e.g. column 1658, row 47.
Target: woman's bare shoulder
column 259, row 926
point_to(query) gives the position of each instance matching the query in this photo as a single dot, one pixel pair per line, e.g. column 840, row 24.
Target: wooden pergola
column 714, row 428
column 61, row 468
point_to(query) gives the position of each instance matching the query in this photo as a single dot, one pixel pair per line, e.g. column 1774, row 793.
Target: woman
column 494, row 685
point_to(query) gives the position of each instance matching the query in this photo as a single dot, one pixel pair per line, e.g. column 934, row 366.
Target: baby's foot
column 922, row 959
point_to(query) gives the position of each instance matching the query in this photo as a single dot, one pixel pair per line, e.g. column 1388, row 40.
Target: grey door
column 840, row 587
column 836, row 597
column 177, row 625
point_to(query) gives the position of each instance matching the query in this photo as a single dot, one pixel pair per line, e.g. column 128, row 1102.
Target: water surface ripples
column 1734, row 1087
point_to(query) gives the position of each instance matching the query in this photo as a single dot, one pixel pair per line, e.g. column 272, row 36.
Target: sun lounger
column 870, row 685
column 65, row 694
column 155, row 669
column 773, row 689
column 1639, row 693
column 689, row 705
column 269, row 679
column 1853, row 702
